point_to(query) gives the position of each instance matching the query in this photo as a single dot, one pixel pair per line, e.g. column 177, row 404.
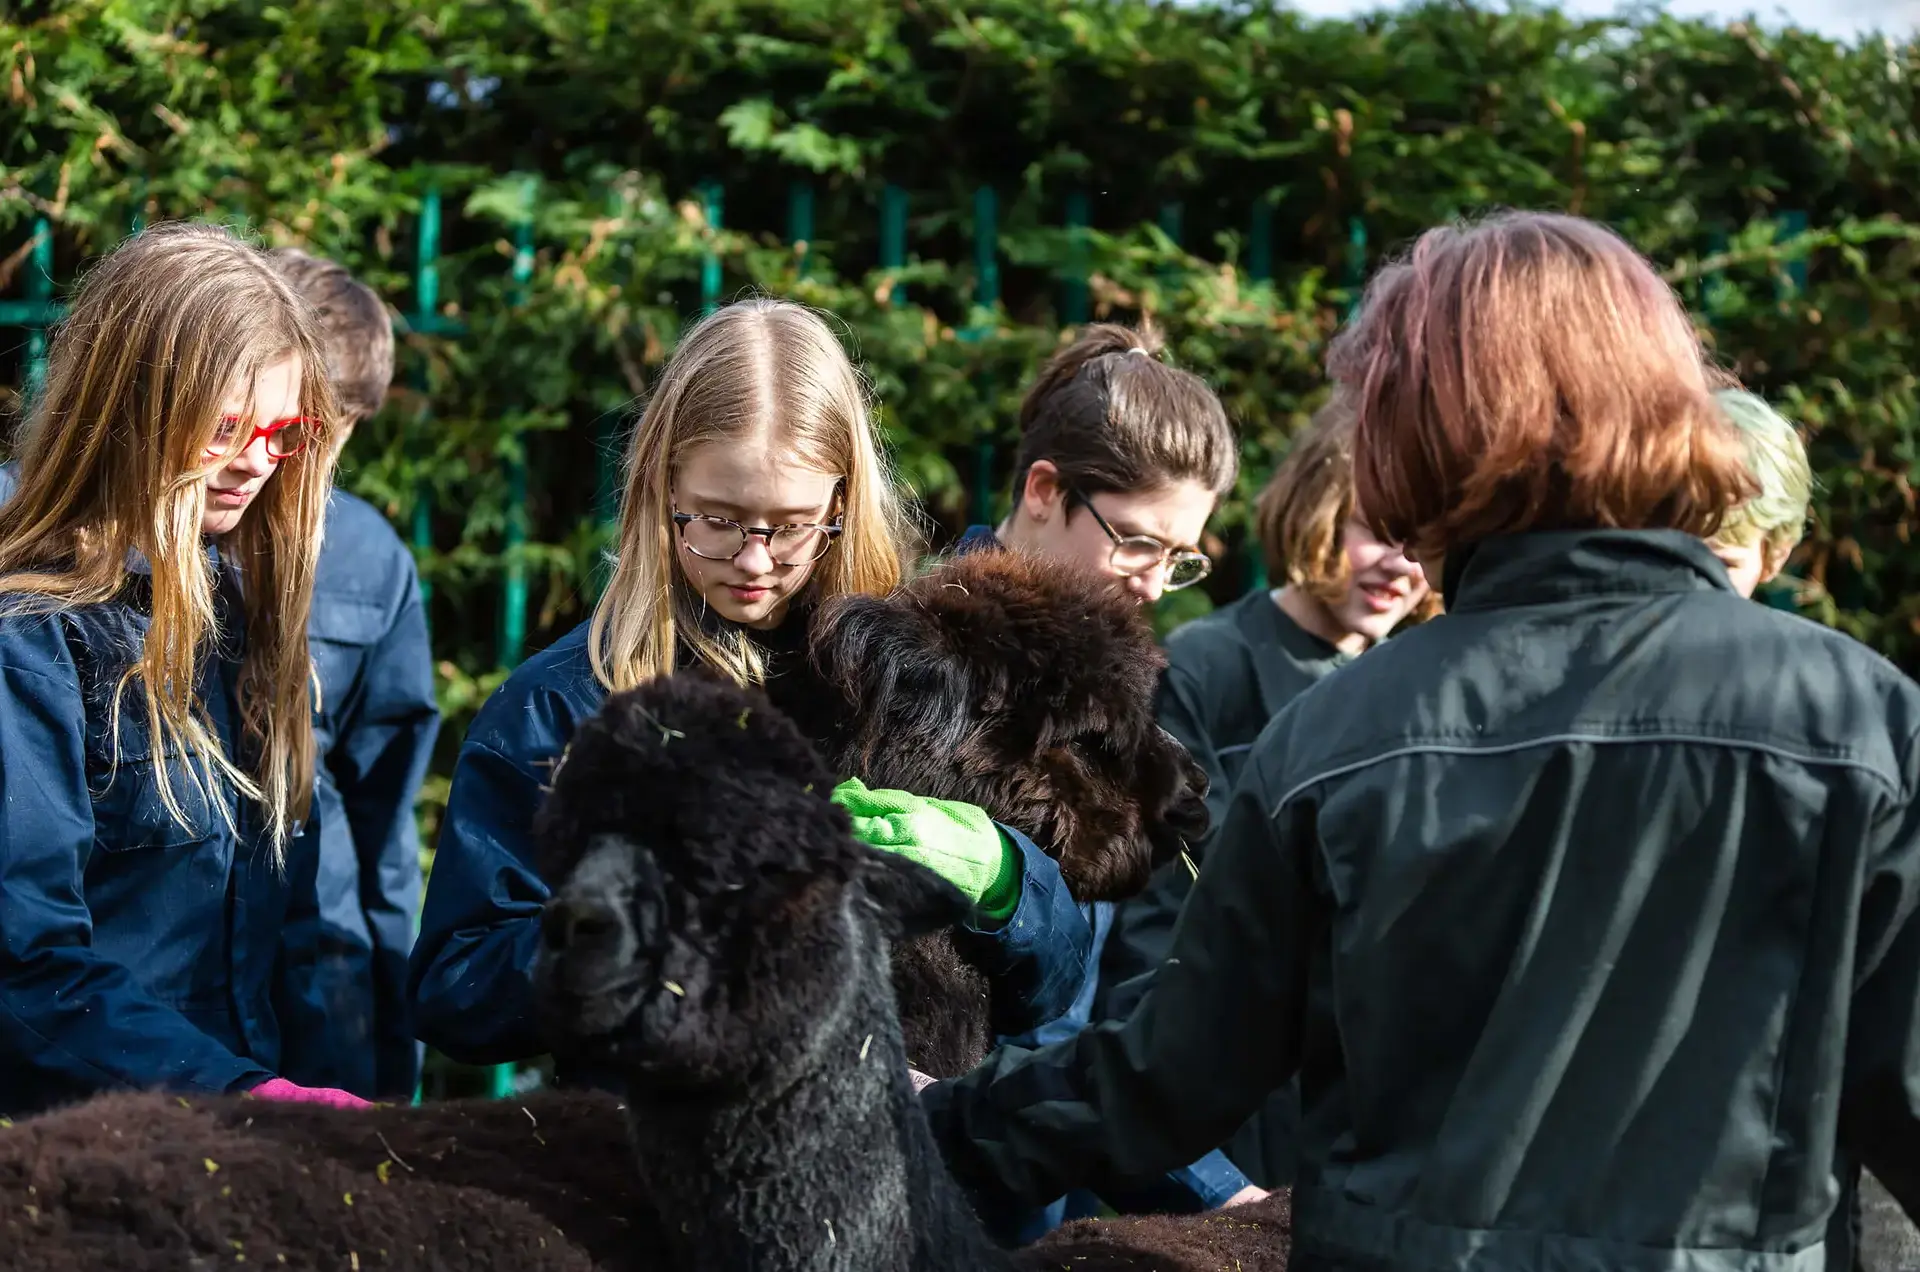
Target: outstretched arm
column 1126, row 1100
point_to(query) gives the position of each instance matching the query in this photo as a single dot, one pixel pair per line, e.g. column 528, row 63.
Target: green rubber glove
column 956, row 841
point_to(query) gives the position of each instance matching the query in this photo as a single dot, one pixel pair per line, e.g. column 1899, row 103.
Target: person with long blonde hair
column 756, row 488
column 156, row 742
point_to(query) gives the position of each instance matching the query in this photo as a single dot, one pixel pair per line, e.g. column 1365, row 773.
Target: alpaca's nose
column 578, row 925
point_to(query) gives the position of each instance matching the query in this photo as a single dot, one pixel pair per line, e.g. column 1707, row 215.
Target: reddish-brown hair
column 1531, row 372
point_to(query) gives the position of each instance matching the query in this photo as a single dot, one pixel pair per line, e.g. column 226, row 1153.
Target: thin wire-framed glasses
column 1137, row 553
column 285, row 437
column 718, row 539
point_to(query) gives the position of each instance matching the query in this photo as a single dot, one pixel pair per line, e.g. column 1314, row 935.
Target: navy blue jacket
column 376, row 729
column 470, row 986
column 375, row 733
column 135, row 952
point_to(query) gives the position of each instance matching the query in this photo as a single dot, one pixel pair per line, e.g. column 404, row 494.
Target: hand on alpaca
column 1252, row 1192
column 956, row 841
column 281, row 1089
column 921, row 1082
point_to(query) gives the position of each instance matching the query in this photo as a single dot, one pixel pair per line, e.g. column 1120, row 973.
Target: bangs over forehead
column 1531, row 372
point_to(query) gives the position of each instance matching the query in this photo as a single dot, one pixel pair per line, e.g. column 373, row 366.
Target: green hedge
column 1238, row 169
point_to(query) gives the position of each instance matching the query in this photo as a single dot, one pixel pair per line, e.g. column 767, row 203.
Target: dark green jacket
column 1227, row 676
column 1586, row 915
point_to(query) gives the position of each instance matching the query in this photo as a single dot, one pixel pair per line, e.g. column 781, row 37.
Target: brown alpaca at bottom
column 146, row 1182
column 250, row 1183
column 1256, row 1237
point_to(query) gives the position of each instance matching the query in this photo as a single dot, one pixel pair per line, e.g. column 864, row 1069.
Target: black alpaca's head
column 1025, row 686
column 712, row 919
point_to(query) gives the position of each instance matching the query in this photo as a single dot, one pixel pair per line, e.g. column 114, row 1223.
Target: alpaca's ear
column 914, row 898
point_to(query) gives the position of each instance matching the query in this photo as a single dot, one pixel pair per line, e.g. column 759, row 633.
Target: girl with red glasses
column 157, row 556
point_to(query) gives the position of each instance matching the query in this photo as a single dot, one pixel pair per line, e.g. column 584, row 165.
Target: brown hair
column 354, row 326
column 1112, row 417
column 1531, row 372
column 1302, row 512
column 112, row 463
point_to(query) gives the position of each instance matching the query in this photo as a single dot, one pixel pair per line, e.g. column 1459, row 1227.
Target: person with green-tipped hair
column 1758, row 536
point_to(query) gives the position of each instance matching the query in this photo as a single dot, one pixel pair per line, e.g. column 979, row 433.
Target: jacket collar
column 1527, row 569
column 977, row 539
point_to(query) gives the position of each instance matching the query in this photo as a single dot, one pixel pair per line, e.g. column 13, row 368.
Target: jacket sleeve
column 1124, row 1101
column 1143, row 925
column 470, row 975
column 307, row 1045
column 1880, row 1105
column 378, row 760
column 79, row 1023
column 1038, row 960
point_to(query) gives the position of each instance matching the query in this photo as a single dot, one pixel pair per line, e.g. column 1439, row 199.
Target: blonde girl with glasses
column 755, row 489
column 156, row 745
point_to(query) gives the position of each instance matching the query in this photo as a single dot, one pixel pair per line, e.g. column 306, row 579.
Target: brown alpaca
column 1025, row 687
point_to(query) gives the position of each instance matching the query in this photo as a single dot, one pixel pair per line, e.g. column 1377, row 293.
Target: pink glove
column 281, row 1089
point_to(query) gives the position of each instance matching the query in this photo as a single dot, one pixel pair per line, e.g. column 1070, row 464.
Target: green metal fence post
column 1714, row 287
column 40, row 296
column 606, row 444
column 1356, row 262
column 1793, row 223
column 1259, row 270
column 1076, row 303
column 986, row 295
column 800, row 223
column 893, row 237
column 426, row 300
column 38, row 311
column 1260, row 240
column 711, row 202
column 513, row 593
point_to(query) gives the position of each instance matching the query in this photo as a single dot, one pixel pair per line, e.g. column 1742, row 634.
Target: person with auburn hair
column 379, row 716
column 1343, row 591
column 1122, row 459
column 755, row 489
column 1585, row 912
column 157, row 868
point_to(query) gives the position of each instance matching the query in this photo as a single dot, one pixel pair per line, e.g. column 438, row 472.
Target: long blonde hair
column 112, row 462
column 758, row 366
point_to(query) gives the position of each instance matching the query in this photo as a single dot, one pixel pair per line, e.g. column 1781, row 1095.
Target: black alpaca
column 720, row 938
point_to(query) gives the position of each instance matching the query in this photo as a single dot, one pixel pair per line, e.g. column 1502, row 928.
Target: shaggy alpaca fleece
column 1026, row 687
column 1889, row 1242
column 1252, row 1238
column 160, row 1183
